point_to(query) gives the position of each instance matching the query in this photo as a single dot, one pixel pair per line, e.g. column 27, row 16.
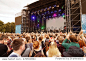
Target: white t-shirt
column 13, row 53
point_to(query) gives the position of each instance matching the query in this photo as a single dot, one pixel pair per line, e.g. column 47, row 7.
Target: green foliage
column 1, row 25
column 8, row 27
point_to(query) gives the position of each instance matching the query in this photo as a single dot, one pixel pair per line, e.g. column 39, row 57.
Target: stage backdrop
column 55, row 23
column 84, row 22
column 18, row 29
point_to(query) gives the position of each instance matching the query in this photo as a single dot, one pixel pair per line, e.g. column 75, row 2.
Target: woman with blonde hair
column 53, row 50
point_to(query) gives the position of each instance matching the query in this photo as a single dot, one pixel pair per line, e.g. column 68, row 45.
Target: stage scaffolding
column 73, row 10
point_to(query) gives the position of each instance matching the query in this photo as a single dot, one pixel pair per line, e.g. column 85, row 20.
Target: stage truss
column 73, row 10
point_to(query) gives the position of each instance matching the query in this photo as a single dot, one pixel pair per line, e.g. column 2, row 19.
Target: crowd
column 43, row 44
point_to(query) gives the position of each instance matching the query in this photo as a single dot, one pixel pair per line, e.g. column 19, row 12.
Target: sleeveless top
column 35, row 52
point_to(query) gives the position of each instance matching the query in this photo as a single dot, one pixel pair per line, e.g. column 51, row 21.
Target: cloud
column 8, row 8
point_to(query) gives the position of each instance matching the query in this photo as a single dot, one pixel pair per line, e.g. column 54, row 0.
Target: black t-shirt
column 35, row 52
column 61, row 48
column 3, row 50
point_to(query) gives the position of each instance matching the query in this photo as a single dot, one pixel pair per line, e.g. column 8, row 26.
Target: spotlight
column 49, row 16
column 55, row 11
column 42, row 14
column 43, row 27
column 33, row 17
column 50, row 7
column 38, row 20
column 63, row 16
column 54, row 5
column 63, row 13
column 59, row 15
column 51, row 11
column 59, row 10
column 62, row 7
column 54, row 15
column 48, row 12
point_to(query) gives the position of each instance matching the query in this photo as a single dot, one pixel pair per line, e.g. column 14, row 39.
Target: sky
column 8, row 9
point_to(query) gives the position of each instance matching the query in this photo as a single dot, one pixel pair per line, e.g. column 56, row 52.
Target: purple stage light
column 54, row 5
column 59, row 15
column 42, row 14
column 33, row 17
column 38, row 24
column 59, row 10
column 49, row 16
column 54, row 15
column 51, row 11
column 55, row 11
column 50, row 7
column 63, row 13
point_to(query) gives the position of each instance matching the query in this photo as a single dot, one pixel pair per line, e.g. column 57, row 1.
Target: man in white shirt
column 18, row 47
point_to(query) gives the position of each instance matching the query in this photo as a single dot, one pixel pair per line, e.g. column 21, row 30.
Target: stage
column 46, row 15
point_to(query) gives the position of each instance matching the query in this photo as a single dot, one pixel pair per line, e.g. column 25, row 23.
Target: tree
column 12, row 27
column 4, row 28
column 8, row 27
column 1, row 25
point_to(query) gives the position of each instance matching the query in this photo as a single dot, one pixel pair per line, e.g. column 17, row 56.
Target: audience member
column 3, row 48
column 18, row 47
column 53, row 50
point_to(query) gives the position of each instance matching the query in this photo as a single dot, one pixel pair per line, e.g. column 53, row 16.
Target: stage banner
column 18, row 29
column 83, row 23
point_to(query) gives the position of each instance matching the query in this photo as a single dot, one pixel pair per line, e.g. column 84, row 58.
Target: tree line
column 7, row 28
